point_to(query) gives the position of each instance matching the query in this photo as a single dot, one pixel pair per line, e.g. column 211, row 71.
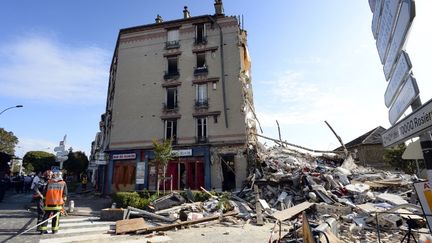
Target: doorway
column 228, row 171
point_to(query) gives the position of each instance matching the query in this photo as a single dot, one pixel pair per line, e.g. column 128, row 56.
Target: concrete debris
column 338, row 198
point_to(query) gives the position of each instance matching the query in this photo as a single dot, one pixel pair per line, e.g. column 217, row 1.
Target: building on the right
column 368, row 149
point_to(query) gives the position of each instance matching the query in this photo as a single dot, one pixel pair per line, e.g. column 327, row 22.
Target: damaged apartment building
column 187, row 80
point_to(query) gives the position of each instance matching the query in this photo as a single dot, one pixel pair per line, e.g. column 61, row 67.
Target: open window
column 201, row 66
column 171, row 130
column 200, row 34
column 172, row 71
column 171, row 98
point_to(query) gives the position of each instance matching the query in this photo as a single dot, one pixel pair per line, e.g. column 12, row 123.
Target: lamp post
column 17, row 106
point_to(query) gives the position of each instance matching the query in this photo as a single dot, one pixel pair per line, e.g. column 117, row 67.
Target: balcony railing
column 171, row 75
column 201, row 139
column 172, row 44
column 203, row 70
column 202, row 103
column 170, row 107
column 201, row 41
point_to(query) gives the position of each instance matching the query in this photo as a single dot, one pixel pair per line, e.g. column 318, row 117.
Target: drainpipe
column 222, row 68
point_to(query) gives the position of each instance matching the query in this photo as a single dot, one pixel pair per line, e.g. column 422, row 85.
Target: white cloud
column 29, row 144
column 40, row 68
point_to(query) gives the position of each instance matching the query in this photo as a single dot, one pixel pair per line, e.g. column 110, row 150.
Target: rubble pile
column 305, row 195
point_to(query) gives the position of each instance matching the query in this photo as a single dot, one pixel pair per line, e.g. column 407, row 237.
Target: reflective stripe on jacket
column 54, row 193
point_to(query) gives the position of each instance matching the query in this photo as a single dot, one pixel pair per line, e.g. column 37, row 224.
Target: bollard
column 114, row 205
column 71, row 206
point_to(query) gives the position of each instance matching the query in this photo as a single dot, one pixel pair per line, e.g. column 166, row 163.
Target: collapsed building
column 186, row 80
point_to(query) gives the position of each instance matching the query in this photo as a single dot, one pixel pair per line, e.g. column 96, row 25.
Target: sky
column 312, row 61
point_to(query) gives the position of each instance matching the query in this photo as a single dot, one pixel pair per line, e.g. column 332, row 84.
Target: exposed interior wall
column 240, row 165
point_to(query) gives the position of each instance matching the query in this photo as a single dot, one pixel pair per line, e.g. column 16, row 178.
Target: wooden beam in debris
column 130, row 225
column 291, row 212
column 298, row 146
column 338, row 138
column 151, row 215
column 184, row 223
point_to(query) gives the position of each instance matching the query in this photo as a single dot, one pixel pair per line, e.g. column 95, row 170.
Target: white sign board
column 101, row 162
column 388, row 17
column 414, row 124
column 404, row 99
column 403, row 24
column 424, row 193
column 181, row 152
column 140, row 173
column 403, row 67
column 124, row 156
column 376, row 16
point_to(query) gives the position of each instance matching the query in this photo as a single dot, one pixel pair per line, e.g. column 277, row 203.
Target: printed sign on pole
column 424, row 193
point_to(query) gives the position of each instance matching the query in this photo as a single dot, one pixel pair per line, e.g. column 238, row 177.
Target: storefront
column 137, row 170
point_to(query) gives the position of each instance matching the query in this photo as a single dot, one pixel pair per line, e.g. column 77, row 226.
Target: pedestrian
column 55, row 197
column 84, row 181
column 39, row 191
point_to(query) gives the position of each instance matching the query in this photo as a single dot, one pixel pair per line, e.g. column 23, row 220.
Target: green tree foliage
column 8, row 141
column 394, row 158
column 76, row 163
column 162, row 152
column 40, row 160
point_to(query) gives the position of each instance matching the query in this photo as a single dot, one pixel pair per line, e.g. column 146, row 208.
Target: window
column 201, row 95
column 202, row 129
column 173, row 71
column 172, row 39
column 172, row 65
column 200, row 34
column 201, row 66
column 201, row 60
column 171, row 98
column 171, row 129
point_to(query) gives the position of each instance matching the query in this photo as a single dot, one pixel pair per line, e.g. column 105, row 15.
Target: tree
column 8, row 141
column 76, row 163
column 162, row 156
column 40, row 160
column 394, row 158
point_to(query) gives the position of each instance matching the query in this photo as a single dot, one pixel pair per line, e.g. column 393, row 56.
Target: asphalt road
column 16, row 218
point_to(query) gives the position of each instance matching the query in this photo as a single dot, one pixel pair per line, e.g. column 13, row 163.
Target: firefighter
column 56, row 195
column 39, row 191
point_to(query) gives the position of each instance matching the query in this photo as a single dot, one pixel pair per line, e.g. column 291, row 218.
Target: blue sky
column 311, row 61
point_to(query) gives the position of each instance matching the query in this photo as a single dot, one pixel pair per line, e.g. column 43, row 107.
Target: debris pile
column 306, row 195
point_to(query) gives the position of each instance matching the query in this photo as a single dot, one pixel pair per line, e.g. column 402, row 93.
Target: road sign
column 403, row 24
column 377, row 6
column 404, row 99
column 403, row 67
column 416, row 123
column 387, row 20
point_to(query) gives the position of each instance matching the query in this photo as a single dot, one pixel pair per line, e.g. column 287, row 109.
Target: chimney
column 218, row 7
column 158, row 19
column 186, row 13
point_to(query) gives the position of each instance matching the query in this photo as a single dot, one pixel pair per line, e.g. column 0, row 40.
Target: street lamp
column 17, row 106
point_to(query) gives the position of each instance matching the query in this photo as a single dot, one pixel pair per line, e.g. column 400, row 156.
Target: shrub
column 133, row 199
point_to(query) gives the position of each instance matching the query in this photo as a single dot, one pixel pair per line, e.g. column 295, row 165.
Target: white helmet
column 57, row 175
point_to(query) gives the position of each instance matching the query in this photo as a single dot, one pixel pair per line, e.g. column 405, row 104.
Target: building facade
column 187, row 80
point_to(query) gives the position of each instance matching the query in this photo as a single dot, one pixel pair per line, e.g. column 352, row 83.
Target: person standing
column 84, row 181
column 56, row 195
column 39, row 190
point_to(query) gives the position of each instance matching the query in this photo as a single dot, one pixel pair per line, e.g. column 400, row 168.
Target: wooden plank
column 184, row 223
column 292, row 211
column 130, row 225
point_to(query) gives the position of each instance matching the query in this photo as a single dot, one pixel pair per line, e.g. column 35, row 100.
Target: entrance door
column 124, row 176
column 228, row 171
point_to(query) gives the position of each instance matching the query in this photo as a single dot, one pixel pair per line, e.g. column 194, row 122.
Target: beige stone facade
column 187, row 80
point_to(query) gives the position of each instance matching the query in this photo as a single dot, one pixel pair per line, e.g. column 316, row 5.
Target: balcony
column 172, row 44
column 201, row 139
column 201, row 40
column 203, row 70
column 170, row 107
column 171, row 75
column 201, row 103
